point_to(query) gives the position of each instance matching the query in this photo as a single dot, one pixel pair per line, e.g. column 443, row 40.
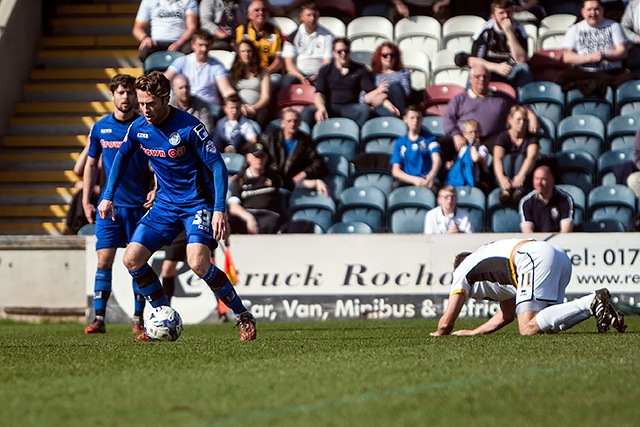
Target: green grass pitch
column 336, row 373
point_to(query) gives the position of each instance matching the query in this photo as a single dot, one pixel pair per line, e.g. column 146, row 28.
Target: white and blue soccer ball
column 163, row 324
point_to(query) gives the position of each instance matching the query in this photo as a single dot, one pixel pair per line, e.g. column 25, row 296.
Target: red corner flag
column 230, row 271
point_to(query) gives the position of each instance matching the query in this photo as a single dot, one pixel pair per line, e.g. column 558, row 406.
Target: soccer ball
column 163, row 324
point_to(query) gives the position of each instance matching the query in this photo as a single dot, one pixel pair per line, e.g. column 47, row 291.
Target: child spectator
column 234, row 132
column 447, row 217
column 471, row 160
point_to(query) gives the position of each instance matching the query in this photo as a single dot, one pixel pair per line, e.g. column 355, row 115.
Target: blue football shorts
column 116, row 234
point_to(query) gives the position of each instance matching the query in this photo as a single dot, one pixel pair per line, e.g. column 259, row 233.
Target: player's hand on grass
column 464, row 332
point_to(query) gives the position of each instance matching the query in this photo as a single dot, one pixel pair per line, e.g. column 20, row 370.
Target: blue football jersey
column 105, row 138
column 183, row 156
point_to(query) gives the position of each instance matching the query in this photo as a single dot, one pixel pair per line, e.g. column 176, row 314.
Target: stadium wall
column 20, row 34
column 298, row 277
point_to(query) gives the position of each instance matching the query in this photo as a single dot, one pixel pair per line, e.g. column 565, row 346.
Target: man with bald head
column 193, row 105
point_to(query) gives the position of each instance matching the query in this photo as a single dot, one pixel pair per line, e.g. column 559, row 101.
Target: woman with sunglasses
column 393, row 81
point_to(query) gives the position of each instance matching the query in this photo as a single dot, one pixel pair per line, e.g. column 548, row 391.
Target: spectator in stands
column 251, row 82
column 76, row 218
column 532, row 6
column 547, row 208
column 416, row 158
column 471, row 162
column 633, row 180
column 220, row 18
column 447, row 217
column 308, row 49
column 338, row 89
column 293, row 155
column 254, row 204
column 515, row 146
column 165, row 25
column 501, row 46
column 207, row 76
column 489, row 108
column 439, row 9
column 193, row 105
column 596, row 47
column 267, row 38
column 234, row 132
column 555, row 7
column 392, row 80
column 372, row 7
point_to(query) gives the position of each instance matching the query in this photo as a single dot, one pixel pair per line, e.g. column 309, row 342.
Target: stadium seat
column 608, row 160
column 501, row 218
column 160, row 61
column 545, row 98
column 296, row 96
column 407, row 207
column 546, row 135
column 378, row 135
column 363, row 57
column 503, row 87
column 235, row 162
column 473, row 200
column 532, row 37
column 545, row 64
column 418, row 64
column 621, row 131
column 437, row 98
column 364, row 204
column 434, row 125
column 372, row 169
column 457, row 32
column 576, row 103
column 87, row 230
column 285, row 24
column 350, row 227
column 612, row 201
column 552, row 30
column 367, row 32
column 308, row 205
column 419, row 33
column 628, row 98
column 583, row 132
column 577, row 167
column 445, row 71
column 338, row 177
column 337, row 135
column 604, row 225
column 579, row 201
column 334, row 25
column 225, row 57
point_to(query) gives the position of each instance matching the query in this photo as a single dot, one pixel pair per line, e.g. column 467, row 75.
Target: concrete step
column 30, row 165
column 87, row 41
column 88, row 58
column 82, row 26
column 84, row 108
column 47, row 125
column 97, row 9
column 34, row 211
column 27, row 194
column 65, row 92
column 96, row 75
column 38, row 176
column 31, row 227
column 46, row 141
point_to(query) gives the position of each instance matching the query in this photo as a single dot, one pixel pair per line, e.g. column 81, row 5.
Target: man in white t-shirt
column 165, row 25
column 208, row 78
column 308, row 49
column 447, row 217
column 596, row 47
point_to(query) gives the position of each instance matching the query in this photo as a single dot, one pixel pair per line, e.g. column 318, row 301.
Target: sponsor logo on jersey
column 143, row 135
column 201, row 131
column 106, row 130
column 110, row 144
column 174, row 139
column 211, row 147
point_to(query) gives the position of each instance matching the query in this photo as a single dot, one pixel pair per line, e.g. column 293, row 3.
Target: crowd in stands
column 297, row 105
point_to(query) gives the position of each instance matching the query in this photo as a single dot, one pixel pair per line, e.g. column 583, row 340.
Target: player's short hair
column 124, row 80
column 459, row 258
column 155, row 83
column 203, row 35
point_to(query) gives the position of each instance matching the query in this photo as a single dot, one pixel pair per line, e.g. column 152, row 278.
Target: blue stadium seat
column 582, row 132
column 612, row 201
column 338, row 177
column 310, row 206
column 351, row 227
column 235, row 162
column 597, row 106
column 406, row 208
column 547, row 135
column 160, row 61
column 545, row 98
column 473, row 200
column 577, row 167
column 337, row 135
column 364, row 204
column 579, row 201
column 434, row 125
column 501, row 218
column 628, row 98
column 372, row 169
column 608, row 160
column 87, row 230
column 621, row 131
column 378, row 135
column 604, row 225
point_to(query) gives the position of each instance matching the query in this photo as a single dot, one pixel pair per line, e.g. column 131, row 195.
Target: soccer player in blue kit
column 192, row 187
column 131, row 201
